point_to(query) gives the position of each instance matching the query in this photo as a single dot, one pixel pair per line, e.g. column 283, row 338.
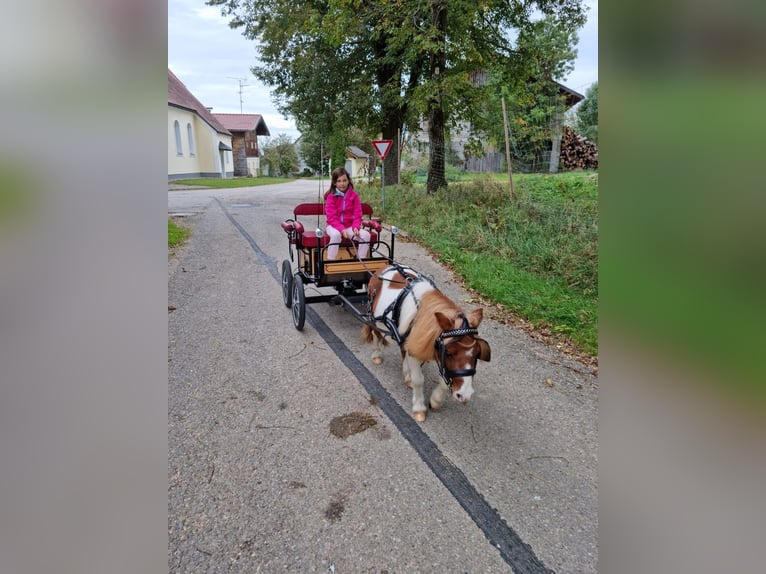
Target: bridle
column 441, row 347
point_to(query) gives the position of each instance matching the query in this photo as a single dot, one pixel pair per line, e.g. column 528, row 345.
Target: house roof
column 244, row 123
column 180, row 97
column 571, row 97
column 357, row 152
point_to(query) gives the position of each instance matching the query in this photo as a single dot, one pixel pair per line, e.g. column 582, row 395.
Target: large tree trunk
column 393, row 115
column 437, row 152
column 391, row 163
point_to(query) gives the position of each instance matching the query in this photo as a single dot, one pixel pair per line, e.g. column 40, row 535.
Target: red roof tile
column 244, row 123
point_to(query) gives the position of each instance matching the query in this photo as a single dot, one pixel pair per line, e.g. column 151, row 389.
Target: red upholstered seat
column 308, row 239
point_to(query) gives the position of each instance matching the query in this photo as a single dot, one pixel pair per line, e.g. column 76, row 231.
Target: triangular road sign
column 382, row 147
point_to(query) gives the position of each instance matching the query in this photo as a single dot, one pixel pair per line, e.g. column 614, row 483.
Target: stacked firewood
column 577, row 152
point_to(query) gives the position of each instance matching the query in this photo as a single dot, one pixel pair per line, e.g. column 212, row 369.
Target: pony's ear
column 485, row 353
column 475, row 317
column 445, row 322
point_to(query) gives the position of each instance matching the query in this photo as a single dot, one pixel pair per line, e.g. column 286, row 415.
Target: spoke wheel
column 299, row 303
column 287, row 283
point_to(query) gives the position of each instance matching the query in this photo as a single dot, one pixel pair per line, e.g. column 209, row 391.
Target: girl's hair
column 336, row 173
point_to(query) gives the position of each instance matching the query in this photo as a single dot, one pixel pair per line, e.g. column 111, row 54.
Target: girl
column 343, row 209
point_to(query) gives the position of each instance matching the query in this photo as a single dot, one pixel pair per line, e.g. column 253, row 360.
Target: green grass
column 176, row 234
column 538, row 256
column 231, row 182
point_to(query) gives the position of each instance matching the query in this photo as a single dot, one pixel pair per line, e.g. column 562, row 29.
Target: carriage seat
column 308, row 239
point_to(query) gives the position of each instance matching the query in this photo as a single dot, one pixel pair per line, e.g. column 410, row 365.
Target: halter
column 448, row 374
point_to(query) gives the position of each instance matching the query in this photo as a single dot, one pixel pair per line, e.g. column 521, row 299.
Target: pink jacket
column 344, row 212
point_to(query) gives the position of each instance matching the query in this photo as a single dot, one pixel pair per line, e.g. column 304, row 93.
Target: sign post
column 382, row 147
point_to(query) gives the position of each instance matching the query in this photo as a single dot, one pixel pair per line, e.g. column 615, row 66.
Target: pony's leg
column 377, row 352
column 370, row 335
column 416, row 375
column 406, row 371
column 438, row 396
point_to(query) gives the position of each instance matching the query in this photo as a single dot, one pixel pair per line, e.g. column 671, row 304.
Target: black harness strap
column 391, row 314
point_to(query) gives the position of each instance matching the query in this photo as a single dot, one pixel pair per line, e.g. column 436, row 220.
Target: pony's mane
column 425, row 327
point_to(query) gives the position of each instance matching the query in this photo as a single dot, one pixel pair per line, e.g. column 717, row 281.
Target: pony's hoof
column 377, row 360
column 419, row 416
column 408, row 383
column 434, row 407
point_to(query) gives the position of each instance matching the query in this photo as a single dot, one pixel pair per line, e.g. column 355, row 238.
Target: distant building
column 357, row 161
column 245, row 129
column 198, row 144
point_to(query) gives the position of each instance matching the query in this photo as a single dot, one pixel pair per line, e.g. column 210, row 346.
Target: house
column 357, row 162
column 198, row 144
column 245, row 129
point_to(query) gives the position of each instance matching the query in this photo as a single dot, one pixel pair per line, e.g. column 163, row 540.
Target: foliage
column 537, row 256
column 533, row 100
column 387, row 65
column 280, row 155
column 587, row 114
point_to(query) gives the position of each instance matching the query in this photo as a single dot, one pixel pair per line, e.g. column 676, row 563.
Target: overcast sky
column 210, row 58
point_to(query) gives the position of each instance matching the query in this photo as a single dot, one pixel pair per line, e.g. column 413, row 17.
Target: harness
column 390, row 317
column 441, row 347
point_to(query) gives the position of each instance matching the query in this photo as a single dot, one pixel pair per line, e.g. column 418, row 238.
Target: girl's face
column 341, row 184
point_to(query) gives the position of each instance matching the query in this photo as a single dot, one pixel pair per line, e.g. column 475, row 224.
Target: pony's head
column 457, row 350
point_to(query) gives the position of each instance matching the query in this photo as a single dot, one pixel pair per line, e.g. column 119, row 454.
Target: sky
column 210, row 59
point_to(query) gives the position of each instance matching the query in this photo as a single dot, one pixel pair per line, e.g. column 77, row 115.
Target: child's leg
column 332, row 248
column 364, row 248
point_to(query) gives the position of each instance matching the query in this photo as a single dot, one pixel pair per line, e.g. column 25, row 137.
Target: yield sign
column 382, row 147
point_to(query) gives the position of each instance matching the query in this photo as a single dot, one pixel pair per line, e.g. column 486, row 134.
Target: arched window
column 179, row 145
column 190, row 135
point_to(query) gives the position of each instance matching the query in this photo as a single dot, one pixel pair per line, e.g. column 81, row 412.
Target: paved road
column 261, row 479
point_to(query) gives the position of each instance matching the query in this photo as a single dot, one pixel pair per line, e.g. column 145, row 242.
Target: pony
column 428, row 326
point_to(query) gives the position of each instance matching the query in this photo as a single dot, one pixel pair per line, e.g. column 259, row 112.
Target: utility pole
column 241, row 86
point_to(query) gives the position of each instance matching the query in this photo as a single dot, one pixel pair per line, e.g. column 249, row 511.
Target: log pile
column 577, row 152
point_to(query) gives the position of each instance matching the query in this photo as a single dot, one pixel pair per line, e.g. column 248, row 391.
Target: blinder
column 441, row 347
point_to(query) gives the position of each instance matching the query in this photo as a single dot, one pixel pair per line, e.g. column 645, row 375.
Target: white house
column 198, row 144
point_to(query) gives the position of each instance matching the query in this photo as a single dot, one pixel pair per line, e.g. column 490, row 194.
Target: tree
column 385, row 65
column 280, row 154
column 587, row 114
column 545, row 52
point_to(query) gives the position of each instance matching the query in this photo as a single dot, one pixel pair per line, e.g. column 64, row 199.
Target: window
column 190, row 135
column 179, row 145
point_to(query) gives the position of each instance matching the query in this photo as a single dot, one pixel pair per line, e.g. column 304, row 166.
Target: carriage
column 390, row 299
column 347, row 273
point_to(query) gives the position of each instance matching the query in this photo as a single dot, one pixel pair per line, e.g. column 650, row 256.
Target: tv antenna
column 242, row 85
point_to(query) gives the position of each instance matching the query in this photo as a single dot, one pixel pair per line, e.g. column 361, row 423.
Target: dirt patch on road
column 346, row 425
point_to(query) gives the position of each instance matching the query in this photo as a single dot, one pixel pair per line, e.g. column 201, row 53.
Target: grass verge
column 176, row 234
column 533, row 261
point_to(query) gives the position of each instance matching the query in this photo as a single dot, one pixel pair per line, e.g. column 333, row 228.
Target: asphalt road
column 262, row 479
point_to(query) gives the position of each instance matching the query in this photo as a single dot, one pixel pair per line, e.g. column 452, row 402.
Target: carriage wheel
column 299, row 303
column 287, row 283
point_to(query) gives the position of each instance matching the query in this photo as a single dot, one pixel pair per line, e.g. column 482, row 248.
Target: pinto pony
column 428, row 326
